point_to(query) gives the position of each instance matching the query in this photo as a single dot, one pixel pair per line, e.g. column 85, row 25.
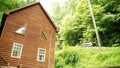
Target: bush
column 75, row 57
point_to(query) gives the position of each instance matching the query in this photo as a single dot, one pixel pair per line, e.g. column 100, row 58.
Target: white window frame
column 41, row 54
column 15, row 43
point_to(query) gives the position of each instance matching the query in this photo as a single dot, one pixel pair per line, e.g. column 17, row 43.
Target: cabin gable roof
column 18, row 9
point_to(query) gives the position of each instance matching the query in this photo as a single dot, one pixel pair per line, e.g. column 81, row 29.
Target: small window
column 21, row 30
column 16, row 50
column 42, row 36
column 41, row 54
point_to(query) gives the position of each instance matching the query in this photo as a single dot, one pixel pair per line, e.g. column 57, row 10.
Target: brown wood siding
column 36, row 23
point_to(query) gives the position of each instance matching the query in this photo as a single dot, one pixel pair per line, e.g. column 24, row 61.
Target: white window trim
column 44, row 54
column 13, row 49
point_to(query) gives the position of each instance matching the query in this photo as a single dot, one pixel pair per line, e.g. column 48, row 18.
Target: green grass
column 84, row 57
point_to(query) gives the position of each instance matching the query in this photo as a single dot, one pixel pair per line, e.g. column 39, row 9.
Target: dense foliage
column 75, row 57
column 76, row 26
column 6, row 5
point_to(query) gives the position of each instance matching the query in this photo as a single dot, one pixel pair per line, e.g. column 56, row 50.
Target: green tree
column 76, row 23
column 6, row 5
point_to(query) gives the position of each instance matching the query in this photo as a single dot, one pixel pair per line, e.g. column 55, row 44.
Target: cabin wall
column 36, row 22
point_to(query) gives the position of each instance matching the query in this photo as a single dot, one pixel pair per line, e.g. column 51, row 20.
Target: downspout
column 50, row 49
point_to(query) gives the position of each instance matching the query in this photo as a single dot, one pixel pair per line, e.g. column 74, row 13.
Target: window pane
column 41, row 54
column 15, row 47
column 42, row 57
column 16, row 51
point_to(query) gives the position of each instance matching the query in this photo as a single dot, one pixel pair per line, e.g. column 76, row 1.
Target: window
column 21, row 30
column 42, row 36
column 16, row 50
column 41, row 54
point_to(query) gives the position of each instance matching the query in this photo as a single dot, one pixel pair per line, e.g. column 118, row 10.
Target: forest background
column 76, row 28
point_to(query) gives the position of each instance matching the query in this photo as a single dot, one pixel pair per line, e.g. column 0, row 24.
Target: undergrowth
column 85, row 57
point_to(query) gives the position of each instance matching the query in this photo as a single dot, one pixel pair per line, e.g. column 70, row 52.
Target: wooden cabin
column 27, row 38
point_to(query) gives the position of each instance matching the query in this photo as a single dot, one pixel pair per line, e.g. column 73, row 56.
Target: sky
column 48, row 3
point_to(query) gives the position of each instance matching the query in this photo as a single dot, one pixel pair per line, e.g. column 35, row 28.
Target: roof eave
column 3, row 22
column 15, row 10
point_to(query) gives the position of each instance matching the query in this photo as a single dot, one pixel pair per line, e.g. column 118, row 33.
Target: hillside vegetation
column 85, row 57
column 76, row 26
